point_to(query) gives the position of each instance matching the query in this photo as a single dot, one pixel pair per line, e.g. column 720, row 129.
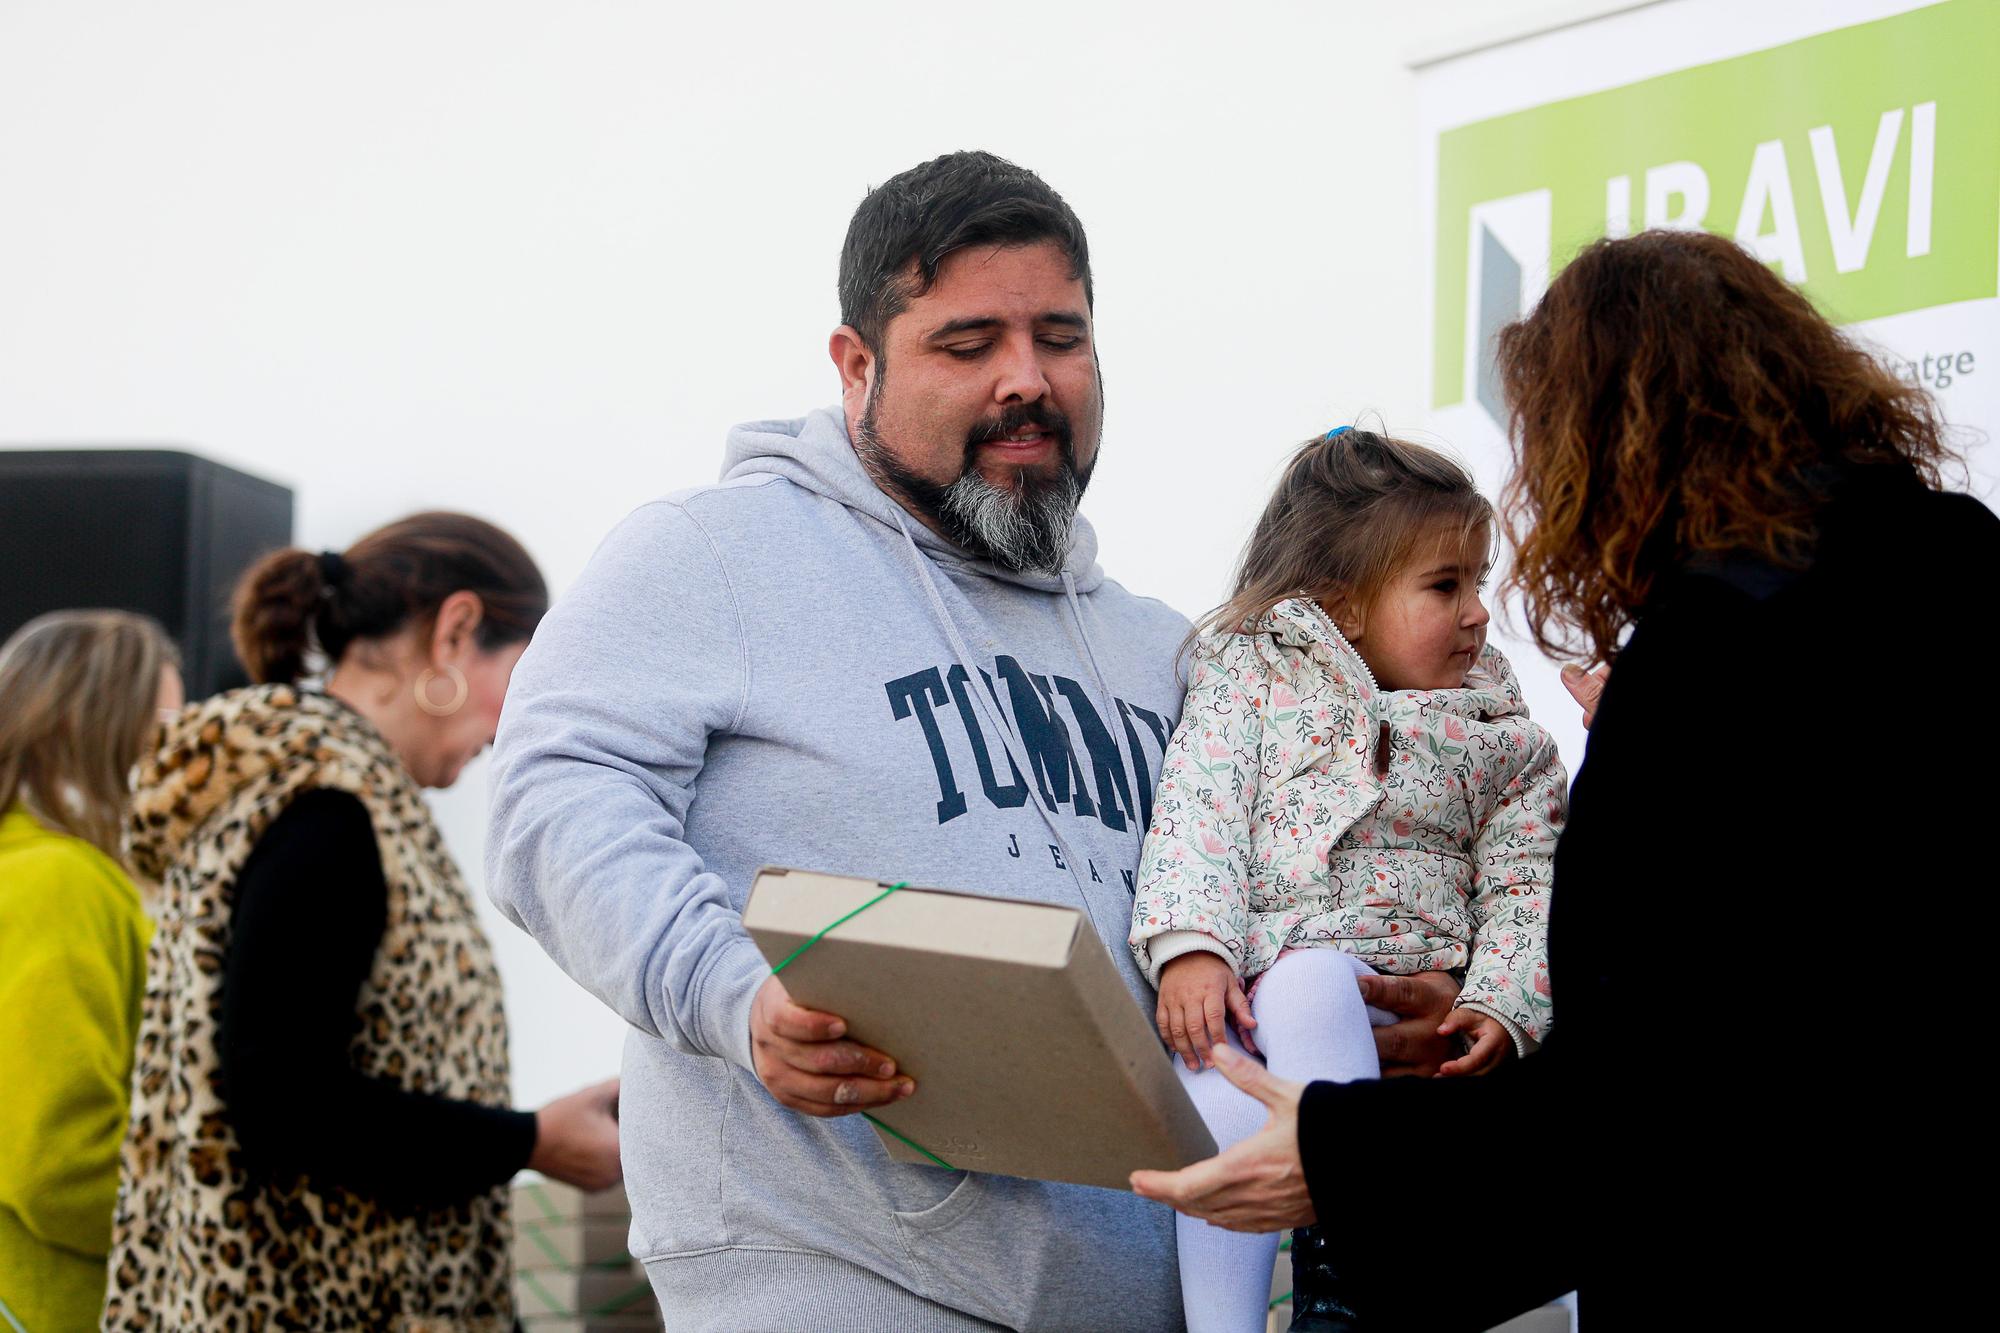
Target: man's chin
column 1016, row 481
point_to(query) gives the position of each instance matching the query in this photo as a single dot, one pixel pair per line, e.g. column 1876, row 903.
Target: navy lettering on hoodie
column 1042, row 729
column 1118, row 775
column 1014, row 793
column 916, row 694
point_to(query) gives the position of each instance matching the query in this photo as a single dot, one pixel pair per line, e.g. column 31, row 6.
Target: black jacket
column 1770, row 945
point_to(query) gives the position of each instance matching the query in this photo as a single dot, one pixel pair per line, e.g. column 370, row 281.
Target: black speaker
column 152, row 530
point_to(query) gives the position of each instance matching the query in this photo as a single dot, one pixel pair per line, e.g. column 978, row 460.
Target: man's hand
column 1199, row 992
column 1414, row 1046
column 1586, row 687
column 1260, row 1184
column 802, row 1060
column 1490, row 1043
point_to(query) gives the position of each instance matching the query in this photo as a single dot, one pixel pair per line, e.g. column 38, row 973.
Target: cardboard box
column 591, row 1324
column 571, row 1243
column 1029, row 1055
column 584, row 1292
column 539, row 1199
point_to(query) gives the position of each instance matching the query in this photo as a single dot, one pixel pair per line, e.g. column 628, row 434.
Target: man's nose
column 1021, row 378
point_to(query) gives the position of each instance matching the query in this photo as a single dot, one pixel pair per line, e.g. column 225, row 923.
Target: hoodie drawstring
column 989, row 710
column 1114, row 721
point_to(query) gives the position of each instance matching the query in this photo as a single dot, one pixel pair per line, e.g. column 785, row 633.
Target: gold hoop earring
column 459, row 692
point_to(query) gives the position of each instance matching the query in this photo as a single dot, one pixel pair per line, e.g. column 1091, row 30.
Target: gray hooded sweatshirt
column 787, row 669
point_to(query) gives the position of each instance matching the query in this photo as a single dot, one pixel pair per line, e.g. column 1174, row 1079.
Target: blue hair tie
column 1335, row 433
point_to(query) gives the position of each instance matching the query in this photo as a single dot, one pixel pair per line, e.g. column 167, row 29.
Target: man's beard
column 1024, row 527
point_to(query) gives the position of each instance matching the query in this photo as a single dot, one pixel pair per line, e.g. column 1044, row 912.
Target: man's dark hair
column 925, row 213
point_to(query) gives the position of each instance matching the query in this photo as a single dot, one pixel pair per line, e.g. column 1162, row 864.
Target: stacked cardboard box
column 1280, row 1317
column 572, row 1273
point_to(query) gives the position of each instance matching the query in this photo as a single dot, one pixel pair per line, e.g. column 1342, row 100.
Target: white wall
column 531, row 260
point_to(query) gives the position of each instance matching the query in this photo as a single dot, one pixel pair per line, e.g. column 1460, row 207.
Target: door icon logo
column 1507, row 270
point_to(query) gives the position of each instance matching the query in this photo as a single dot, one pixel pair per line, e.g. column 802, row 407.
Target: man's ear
column 856, row 365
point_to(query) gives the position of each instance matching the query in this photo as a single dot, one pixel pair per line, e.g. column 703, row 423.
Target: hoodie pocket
column 960, row 1252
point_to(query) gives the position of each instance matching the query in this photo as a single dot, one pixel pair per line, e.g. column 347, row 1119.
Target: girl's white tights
column 1311, row 1024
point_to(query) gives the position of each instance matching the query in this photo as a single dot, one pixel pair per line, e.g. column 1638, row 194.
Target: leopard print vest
column 198, row 1242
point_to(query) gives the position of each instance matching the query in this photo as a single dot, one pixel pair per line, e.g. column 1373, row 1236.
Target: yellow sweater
column 73, row 939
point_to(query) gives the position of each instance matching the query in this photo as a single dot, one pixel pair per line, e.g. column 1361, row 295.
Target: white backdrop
column 532, row 259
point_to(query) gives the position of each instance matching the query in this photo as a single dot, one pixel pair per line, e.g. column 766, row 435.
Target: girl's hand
column 1490, row 1043
column 1199, row 993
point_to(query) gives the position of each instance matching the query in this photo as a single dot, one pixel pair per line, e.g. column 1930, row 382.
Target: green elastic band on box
column 555, row 1256
column 548, row 1209
column 1277, row 1301
column 548, row 1297
column 793, row 955
column 617, row 1303
column 906, row 1139
column 534, row 1230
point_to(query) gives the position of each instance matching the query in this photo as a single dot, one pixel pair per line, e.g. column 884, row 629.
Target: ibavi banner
column 1854, row 146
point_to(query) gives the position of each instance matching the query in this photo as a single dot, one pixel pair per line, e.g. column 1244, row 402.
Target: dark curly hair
column 1672, row 397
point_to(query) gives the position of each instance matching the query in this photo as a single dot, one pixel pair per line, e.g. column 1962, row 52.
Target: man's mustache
column 1020, row 416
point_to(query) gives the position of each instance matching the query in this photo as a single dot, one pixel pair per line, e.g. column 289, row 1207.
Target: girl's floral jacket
column 1299, row 806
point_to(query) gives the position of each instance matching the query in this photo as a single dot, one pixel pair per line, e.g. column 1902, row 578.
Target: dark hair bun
column 271, row 620
column 293, row 601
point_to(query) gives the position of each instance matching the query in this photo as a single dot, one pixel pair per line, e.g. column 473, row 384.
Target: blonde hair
column 1349, row 509
column 79, row 692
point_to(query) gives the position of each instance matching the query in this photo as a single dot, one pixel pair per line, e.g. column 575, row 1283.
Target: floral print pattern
column 1301, row 807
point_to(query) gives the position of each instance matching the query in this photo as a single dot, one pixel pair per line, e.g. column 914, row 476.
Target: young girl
column 1354, row 786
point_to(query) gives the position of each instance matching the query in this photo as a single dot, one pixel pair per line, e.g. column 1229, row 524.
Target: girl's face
column 1424, row 630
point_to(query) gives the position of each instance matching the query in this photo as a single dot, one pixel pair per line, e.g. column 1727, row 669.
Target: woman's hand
column 1586, row 687
column 1488, row 1045
column 1260, row 1184
column 1199, row 993
column 576, row 1138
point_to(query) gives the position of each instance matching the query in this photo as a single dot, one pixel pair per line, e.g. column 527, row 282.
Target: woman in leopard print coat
column 320, row 1135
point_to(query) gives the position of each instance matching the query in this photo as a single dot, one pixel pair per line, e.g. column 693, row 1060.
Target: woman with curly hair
column 1723, row 495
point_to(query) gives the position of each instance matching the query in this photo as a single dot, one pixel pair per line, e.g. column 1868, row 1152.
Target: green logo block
column 1863, row 164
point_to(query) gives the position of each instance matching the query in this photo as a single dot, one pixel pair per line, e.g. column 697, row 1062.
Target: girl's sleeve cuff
column 1163, row 948
column 1523, row 1043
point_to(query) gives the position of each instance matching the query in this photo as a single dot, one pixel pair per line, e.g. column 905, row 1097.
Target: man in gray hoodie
column 881, row 646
